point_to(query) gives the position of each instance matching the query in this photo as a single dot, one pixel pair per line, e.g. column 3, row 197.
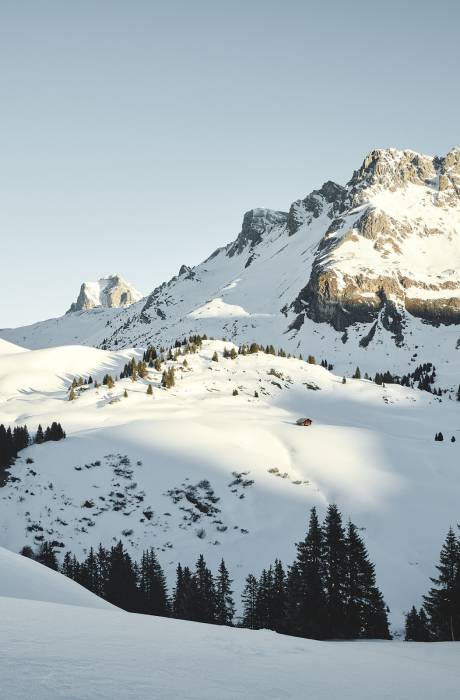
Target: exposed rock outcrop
column 109, row 292
column 256, row 224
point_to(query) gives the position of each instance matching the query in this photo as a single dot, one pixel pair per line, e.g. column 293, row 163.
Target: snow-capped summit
column 109, row 292
column 348, row 269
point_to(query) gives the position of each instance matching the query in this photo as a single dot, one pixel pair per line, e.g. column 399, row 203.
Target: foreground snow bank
column 87, row 654
column 23, row 578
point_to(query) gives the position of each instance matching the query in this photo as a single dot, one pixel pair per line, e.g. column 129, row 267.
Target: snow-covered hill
column 132, row 468
column 24, row 579
column 58, row 651
column 366, row 274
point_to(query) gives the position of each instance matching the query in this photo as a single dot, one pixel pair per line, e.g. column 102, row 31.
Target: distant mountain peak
column 108, row 292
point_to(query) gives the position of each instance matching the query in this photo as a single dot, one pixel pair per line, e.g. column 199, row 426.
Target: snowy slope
column 365, row 274
column 23, row 578
column 83, row 655
column 128, row 464
column 7, row 348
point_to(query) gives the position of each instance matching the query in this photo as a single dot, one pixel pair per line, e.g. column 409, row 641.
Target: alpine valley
column 180, row 409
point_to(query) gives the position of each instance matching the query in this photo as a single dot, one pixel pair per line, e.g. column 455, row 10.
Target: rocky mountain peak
column 389, row 168
column 256, row 223
column 108, row 292
column 328, row 199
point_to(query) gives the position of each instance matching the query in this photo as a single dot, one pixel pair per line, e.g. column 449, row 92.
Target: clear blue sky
column 135, row 134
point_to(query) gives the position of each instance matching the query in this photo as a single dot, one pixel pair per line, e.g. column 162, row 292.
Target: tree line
column 12, row 441
column 328, row 592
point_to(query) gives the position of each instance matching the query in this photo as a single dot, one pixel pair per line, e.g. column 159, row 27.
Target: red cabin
column 304, row 421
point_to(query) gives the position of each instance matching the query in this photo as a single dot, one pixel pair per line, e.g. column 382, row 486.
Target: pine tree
column 215, row 357
column 72, row 394
column 184, row 594
column 416, row 627
column 264, row 601
column 47, row 556
column 365, row 608
column 125, row 394
column 225, row 606
column 152, row 586
column 70, row 567
column 357, row 374
column 442, row 604
column 121, row 589
column 249, row 600
column 149, row 390
column 335, row 562
column 306, row 597
column 204, row 603
column 89, row 573
column 279, row 598
column 39, row 437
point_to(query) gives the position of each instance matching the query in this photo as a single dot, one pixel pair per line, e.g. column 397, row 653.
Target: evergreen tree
column 306, row 597
column 215, row 357
column 416, row 627
column 264, row 601
column 225, row 606
column 184, row 594
column 365, row 608
column 249, row 600
column 47, row 556
column 39, row 437
column 149, row 390
column 121, row 589
column 442, row 604
column 335, row 563
column 152, row 586
column 279, row 598
column 204, row 603
column 89, row 573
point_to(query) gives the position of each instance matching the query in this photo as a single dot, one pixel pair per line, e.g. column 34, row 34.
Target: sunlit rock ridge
column 109, row 292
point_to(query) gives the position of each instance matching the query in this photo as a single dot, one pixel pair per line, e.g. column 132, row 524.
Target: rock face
column 256, row 224
column 394, row 246
column 108, row 292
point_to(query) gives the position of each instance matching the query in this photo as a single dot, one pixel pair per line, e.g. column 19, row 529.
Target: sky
column 134, row 135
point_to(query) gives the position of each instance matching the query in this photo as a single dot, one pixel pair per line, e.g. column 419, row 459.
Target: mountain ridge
column 373, row 263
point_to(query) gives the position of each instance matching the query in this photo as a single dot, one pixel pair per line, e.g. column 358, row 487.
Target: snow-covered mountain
column 368, row 274
column 110, row 292
column 133, row 468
